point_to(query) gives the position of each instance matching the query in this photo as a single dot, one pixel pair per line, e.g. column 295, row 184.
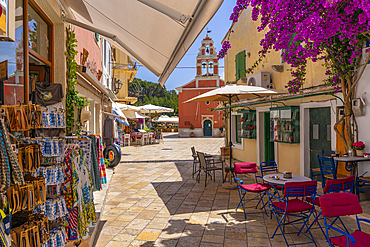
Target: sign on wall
column 7, row 20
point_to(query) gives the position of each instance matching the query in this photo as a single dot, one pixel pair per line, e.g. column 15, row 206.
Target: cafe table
column 351, row 164
column 281, row 180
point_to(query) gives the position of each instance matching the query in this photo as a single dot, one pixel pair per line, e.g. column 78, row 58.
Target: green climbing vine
column 72, row 98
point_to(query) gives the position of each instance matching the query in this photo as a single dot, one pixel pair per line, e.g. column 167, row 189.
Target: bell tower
column 207, row 60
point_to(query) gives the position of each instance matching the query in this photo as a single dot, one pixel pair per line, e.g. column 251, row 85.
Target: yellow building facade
column 295, row 156
column 124, row 69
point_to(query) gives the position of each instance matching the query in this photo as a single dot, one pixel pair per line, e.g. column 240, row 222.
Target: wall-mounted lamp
column 117, row 86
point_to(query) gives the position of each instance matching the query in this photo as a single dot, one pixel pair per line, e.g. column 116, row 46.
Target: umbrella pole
column 230, row 142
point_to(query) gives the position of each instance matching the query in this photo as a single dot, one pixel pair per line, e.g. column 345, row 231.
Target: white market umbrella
column 234, row 92
column 149, row 108
column 125, row 107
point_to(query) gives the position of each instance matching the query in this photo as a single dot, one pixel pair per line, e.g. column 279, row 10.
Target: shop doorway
column 320, row 133
column 269, row 146
column 207, row 128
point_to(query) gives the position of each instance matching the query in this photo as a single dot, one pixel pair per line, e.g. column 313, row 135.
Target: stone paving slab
column 160, row 204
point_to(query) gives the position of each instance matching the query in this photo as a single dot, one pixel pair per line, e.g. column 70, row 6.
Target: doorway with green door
column 320, row 133
column 268, row 145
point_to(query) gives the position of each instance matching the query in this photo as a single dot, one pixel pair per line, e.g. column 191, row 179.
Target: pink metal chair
column 333, row 186
column 259, row 188
column 342, row 204
column 283, row 208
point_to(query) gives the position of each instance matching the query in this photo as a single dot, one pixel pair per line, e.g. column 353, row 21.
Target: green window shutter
column 242, row 64
column 237, row 67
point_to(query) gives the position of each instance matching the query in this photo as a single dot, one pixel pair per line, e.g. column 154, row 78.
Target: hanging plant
column 72, row 98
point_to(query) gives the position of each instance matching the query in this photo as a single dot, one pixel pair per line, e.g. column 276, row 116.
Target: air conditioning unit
column 261, row 79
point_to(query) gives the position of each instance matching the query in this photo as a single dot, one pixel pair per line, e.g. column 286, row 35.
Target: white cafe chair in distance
column 126, row 139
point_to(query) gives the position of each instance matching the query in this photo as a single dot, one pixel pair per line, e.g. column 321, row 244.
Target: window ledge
column 238, row 146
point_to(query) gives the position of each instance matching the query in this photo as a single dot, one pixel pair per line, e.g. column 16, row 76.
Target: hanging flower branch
column 331, row 31
column 72, row 98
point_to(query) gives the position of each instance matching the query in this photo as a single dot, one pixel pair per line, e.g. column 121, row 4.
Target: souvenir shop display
column 248, row 124
column 284, row 124
column 46, row 182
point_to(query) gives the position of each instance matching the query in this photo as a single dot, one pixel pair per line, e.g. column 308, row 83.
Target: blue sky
column 219, row 25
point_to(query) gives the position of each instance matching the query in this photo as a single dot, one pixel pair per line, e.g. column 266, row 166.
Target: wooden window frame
column 27, row 51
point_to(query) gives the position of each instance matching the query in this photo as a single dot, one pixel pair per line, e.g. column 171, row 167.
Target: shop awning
column 146, row 33
column 122, row 118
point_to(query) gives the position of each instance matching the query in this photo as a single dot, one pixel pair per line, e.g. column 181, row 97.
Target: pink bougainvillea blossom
column 329, row 30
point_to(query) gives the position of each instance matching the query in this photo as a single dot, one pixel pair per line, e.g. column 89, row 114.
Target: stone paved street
column 160, row 204
column 171, row 148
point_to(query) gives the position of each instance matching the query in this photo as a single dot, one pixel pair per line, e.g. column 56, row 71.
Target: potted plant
column 359, row 147
column 225, row 151
column 192, row 134
column 221, row 131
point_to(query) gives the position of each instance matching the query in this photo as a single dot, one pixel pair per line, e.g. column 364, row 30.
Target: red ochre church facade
column 199, row 114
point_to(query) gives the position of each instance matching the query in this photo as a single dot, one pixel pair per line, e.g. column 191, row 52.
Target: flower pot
column 225, row 151
column 360, row 153
column 192, row 134
column 221, row 134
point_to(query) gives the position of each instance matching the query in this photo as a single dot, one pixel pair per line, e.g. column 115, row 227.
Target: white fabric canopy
column 167, row 119
column 125, row 107
column 149, row 108
column 133, row 115
column 236, row 92
column 150, row 37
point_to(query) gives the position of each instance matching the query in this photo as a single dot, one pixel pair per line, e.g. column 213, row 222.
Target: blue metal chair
column 360, row 183
column 333, row 186
column 270, row 166
column 342, row 204
column 314, row 172
column 259, row 188
column 299, row 207
column 327, row 169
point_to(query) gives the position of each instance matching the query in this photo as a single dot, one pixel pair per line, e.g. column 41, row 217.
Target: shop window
column 12, row 52
column 237, row 129
column 36, row 58
column 38, row 33
column 240, row 65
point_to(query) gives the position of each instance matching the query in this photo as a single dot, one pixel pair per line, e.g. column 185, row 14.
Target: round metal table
column 282, row 180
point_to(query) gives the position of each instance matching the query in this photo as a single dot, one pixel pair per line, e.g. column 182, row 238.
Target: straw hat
column 85, row 116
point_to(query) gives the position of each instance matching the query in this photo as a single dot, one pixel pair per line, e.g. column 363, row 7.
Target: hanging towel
column 95, row 173
column 103, row 174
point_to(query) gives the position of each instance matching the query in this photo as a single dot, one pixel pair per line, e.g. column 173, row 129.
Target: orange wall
column 193, row 111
